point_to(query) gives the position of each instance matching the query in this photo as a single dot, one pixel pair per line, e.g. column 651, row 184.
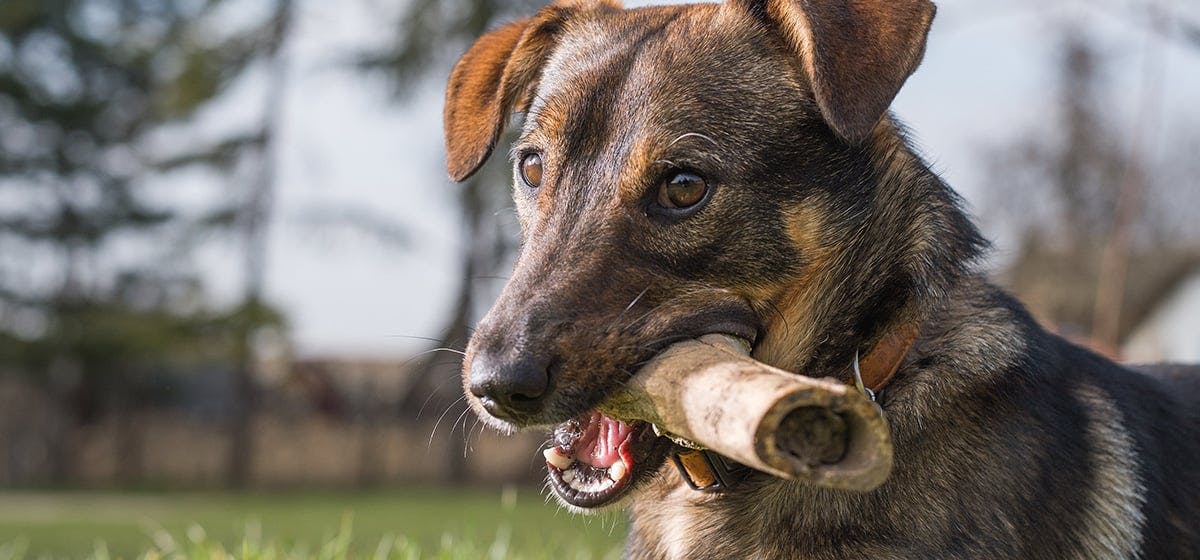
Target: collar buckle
column 866, row 391
column 858, row 380
column 704, row 470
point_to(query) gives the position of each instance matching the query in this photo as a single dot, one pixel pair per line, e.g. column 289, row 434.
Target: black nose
column 510, row 388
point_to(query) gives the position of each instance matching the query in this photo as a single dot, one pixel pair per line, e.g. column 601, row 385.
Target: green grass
column 396, row 524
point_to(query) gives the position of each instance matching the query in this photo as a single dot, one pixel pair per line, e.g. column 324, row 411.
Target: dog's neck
column 852, row 299
column 953, row 358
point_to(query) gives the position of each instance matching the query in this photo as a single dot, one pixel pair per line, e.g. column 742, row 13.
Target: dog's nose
column 510, row 389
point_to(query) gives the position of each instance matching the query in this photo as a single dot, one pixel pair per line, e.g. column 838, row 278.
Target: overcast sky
column 987, row 76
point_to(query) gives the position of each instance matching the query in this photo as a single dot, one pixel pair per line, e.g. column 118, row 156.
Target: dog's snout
column 510, row 388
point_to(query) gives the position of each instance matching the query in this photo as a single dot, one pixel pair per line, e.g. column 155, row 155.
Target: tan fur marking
column 789, row 339
column 641, row 158
column 1113, row 524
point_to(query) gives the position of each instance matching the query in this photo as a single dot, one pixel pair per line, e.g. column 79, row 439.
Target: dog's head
column 685, row 170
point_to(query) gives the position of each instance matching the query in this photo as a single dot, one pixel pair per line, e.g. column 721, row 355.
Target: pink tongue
column 600, row 445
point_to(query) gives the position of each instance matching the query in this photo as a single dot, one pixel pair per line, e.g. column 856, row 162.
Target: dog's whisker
column 440, row 349
column 415, row 337
column 435, row 392
column 433, row 431
column 466, row 438
column 461, row 417
column 670, row 301
column 424, row 353
column 628, row 307
column 693, row 135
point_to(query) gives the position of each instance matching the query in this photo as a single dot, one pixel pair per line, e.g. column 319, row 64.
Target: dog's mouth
column 595, row 460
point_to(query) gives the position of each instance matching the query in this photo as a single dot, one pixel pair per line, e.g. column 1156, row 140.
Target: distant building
column 1171, row 332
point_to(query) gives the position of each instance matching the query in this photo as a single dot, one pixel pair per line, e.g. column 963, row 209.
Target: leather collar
column 881, row 364
column 706, row 471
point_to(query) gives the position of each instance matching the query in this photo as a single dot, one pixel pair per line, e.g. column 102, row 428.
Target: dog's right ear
column 857, row 53
column 494, row 78
column 486, row 83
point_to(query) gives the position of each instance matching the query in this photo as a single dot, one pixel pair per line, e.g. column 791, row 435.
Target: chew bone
column 710, row 392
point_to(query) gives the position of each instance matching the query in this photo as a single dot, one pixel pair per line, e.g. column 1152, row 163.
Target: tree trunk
column 255, row 219
column 128, row 442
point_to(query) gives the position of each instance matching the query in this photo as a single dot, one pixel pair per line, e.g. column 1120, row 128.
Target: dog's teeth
column 591, row 486
column 568, row 476
column 556, row 458
column 576, row 483
column 618, row 470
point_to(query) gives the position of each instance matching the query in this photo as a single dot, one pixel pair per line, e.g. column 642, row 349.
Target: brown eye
column 682, row 190
column 531, row 170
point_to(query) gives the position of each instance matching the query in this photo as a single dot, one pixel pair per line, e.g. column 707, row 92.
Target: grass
column 412, row 524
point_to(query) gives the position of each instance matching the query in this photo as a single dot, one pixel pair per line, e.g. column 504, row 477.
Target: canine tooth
column 556, row 458
column 618, row 471
column 568, row 476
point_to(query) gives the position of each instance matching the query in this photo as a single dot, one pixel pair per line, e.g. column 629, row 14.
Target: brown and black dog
column 732, row 168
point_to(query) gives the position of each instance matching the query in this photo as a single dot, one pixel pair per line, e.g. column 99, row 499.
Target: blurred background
column 233, row 275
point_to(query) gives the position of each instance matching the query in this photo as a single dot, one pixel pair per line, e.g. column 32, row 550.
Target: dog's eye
column 531, row 170
column 682, row 190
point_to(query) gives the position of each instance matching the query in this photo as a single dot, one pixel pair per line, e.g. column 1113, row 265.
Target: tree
column 253, row 218
column 1079, row 189
column 95, row 287
column 430, row 35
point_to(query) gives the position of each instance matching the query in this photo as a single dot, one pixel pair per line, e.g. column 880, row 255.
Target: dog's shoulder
column 1181, row 380
column 1143, row 431
column 1118, row 443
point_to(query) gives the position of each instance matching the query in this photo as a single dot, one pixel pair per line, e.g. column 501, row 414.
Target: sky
column 346, row 145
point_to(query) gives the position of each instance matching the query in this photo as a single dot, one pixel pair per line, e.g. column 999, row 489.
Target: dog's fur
column 823, row 231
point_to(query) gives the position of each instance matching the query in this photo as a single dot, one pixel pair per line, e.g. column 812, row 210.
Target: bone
column 711, row 393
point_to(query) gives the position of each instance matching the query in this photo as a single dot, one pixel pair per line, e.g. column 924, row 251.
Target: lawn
column 420, row 523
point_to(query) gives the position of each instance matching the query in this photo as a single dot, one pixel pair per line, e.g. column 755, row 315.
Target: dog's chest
column 680, row 523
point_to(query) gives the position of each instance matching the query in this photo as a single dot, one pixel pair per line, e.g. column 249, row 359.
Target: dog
column 733, row 168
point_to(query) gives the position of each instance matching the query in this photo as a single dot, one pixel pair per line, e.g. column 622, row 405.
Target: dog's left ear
column 857, row 53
